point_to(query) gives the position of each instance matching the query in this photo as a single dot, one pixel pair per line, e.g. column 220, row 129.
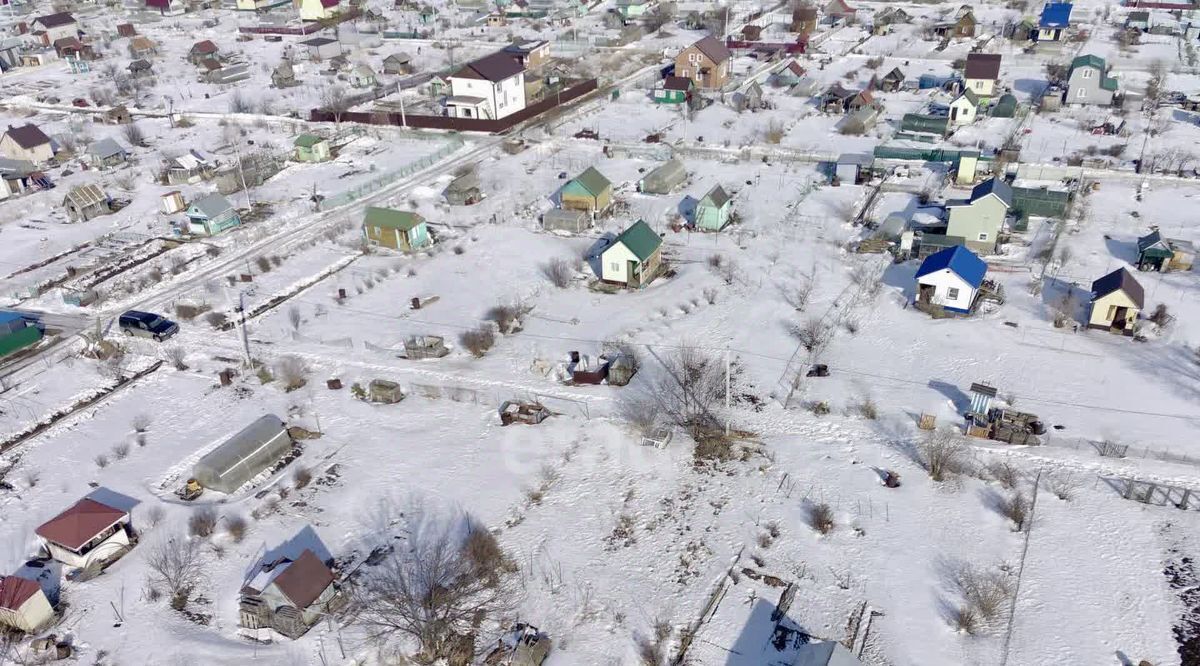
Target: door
column 633, row 279
column 1119, row 317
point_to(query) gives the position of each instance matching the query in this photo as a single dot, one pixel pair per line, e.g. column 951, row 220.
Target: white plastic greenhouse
column 246, row 454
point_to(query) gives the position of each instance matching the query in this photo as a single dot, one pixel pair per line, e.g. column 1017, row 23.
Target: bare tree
column 811, row 335
column 435, row 592
column 690, row 386
column 175, row 564
column 177, row 355
column 335, row 100
column 942, row 452
column 293, row 371
column 294, row 317
column 134, row 135
column 559, row 272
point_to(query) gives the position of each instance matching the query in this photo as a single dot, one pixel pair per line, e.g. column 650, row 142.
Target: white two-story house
column 490, row 88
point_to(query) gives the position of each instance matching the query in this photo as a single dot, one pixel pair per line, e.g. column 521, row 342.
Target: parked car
column 147, row 325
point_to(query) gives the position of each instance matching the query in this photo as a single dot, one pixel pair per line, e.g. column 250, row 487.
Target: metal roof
column 211, row 205
column 389, row 218
column 640, row 239
column 593, row 181
column 80, row 523
column 959, row 260
column 1120, row 279
column 84, row 196
column 713, row 49
column 982, row 66
column 495, row 67
column 28, row 136
column 1056, row 15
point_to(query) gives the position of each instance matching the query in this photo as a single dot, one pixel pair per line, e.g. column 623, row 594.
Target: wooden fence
column 459, row 124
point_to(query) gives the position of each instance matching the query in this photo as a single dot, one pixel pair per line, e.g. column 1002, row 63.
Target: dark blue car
column 147, row 325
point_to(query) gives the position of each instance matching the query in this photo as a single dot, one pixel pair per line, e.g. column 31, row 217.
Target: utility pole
column 403, row 118
column 242, row 175
column 242, row 320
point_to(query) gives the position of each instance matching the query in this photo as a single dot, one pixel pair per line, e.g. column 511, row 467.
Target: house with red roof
column 27, row 142
column 289, row 595
column 23, row 605
column 89, row 533
column 201, row 51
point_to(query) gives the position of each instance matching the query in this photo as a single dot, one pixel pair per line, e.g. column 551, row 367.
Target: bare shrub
column 482, row 551
column 101, row 460
column 177, row 355
column 559, row 272
column 985, row 592
column 811, row 335
column 638, row 410
column 710, row 295
column 134, row 135
column 1160, row 316
column 1061, row 485
column 507, row 316
column 820, row 517
column 175, row 564
column 797, row 295
column 141, row 422
column 120, row 450
column 154, row 515
column 478, row 340
column 942, row 452
column 263, row 263
column 32, row 477
column 301, row 477
column 965, row 621
column 235, row 527
column 1016, row 509
column 216, row 319
column 874, row 62
column 202, row 522
column 692, row 383
column 865, row 407
column 293, row 371
column 294, row 318
column 773, row 134
column 239, row 104
column 1006, row 474
column 433, row 592
column 188, row 312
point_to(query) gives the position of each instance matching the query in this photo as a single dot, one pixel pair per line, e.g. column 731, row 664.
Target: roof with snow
column 958, row 260
column 203, row 47
column 80, row 523
column 1056, row 15
column 1119, row 280
column 389, row 218
column 212, row 205
column 105, row 148
column 593, row 181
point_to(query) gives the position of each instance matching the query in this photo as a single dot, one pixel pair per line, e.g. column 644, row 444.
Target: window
column 614, row 266
column 983, row 236
column 1081, row 93
column 979, row 85
column 693, row 57
column 1087, row 73
column 952, row 293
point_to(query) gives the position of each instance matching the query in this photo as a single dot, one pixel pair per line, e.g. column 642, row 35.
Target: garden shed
column 243, row 456
column 562, row 219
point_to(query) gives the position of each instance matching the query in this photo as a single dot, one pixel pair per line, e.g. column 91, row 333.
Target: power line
column 745, row 352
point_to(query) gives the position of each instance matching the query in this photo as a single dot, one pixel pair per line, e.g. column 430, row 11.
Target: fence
column 923, row 154
column 460, row 124
column 379, row 182
column 305, row 29
column 1106, row 449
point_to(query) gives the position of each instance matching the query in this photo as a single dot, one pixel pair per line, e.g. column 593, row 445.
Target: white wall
column 614, row 264
column 945, row 280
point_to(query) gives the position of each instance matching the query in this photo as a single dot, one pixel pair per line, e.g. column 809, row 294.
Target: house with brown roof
column 840, row 10
column 201, row 51
column 289, row 595
column 706, row 63
column 141, row 47
column 23, row 605
column 982, row 73
column 491, row 87
column 126, row 30
column 27, row 143
column 88, row 533
column 959, row 24
column 71, row 47
column 52, row 27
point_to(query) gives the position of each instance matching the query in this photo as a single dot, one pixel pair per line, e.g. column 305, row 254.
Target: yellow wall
column 1102, row 308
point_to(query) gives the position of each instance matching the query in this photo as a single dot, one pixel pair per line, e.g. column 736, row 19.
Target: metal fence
column 379, row 182
column 1106, row 449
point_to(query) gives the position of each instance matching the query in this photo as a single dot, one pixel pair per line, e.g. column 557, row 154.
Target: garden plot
column 54, row 388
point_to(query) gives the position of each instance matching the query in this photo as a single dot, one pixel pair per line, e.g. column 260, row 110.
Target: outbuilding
column 211, row 214
column 244, row 456
column 1156, row 253
column 566, row 219
column 949, row 280
column 712, row 211
column 311, row 148
column 289, row 595
column 87, row 534
column 1117, row 299
column 664, row 178
column 589, row 191
column 634, row 258
column 23, row 605
column 84, row 202
column 396, row 229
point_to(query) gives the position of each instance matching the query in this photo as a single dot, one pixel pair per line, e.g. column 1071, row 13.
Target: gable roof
column 895, row 75
column 1150, row 240
column 1122, row 280
column 205, row 46
column 55, row 20
column 677, row 83
column 970, row 96
column 640, row 239
column 141, row 43
column 713, row 49
column 84, row 196
column 1088, row 60
column 389, row 218
column 140, row 65
column 593, row 181
column 80, row 523
column 304, row 580
column 1056, row 15
column 307, row 140
column 716, row 197
column 106, row 147
column 15, row 591
column 317, row 42
column 495, row 67
column 982, row 66
column 959, row 260
column 993, row 186
column 211, row 205
column 28, row 136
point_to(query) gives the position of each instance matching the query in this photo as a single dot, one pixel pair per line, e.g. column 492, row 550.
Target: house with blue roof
column 980, row 219
column 1054, row 21
column 949, row 280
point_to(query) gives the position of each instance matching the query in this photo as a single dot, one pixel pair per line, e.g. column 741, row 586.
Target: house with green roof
column 311, row 148
column 634, row 258
column 589, row 191
column 396, row 229
column 712, row 212
column 1089, row 83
